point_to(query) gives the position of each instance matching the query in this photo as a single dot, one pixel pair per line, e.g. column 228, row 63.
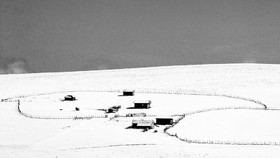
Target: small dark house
column 143, row 124
column 164, row 121
column 142, row 104
column 113, row 109
column 128, row 92
column 70, row 98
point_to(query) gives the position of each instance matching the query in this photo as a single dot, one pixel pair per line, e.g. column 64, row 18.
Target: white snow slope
column 224, row 110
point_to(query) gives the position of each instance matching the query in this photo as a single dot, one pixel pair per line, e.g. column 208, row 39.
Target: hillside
column 209, row 100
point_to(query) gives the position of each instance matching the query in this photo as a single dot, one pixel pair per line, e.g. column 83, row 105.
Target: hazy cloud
column 100, row 63
column 13, row 66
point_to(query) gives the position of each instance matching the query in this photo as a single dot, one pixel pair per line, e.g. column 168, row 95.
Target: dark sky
column 70, row 35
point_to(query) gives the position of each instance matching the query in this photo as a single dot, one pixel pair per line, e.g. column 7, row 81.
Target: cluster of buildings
column 143, row 123
column 138, row 104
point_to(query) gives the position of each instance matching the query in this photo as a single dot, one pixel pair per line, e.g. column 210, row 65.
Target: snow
column 239, row 126
column 221, row 103
column 91, row 103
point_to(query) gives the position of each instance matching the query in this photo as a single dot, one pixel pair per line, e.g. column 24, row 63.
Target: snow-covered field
column 228, row 110
column 239, row 126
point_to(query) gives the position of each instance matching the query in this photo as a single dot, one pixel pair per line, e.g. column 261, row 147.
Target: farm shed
column 143, row 124
column 164, row 121
column 113, row 109
column 142, row 104
column 69, row 98
column 128, row 92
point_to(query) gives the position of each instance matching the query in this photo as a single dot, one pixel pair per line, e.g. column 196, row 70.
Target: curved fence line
column 198, row 141
column 108, row 146
column 60, row 117
column 77, row 117
column 179, row 92
column 149, row 91
column 208, row 110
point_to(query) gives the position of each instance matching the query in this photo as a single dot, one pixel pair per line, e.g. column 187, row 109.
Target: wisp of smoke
column 13, row 66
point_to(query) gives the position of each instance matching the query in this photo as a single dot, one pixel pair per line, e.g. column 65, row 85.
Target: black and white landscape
column 218, row 111
column 139, row 78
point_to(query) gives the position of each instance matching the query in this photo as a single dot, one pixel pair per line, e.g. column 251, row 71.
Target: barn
column 128, row 92
column 142, row 104
column 143, row 124
column 164, row 121
column 69, row 98
column 113, row 109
